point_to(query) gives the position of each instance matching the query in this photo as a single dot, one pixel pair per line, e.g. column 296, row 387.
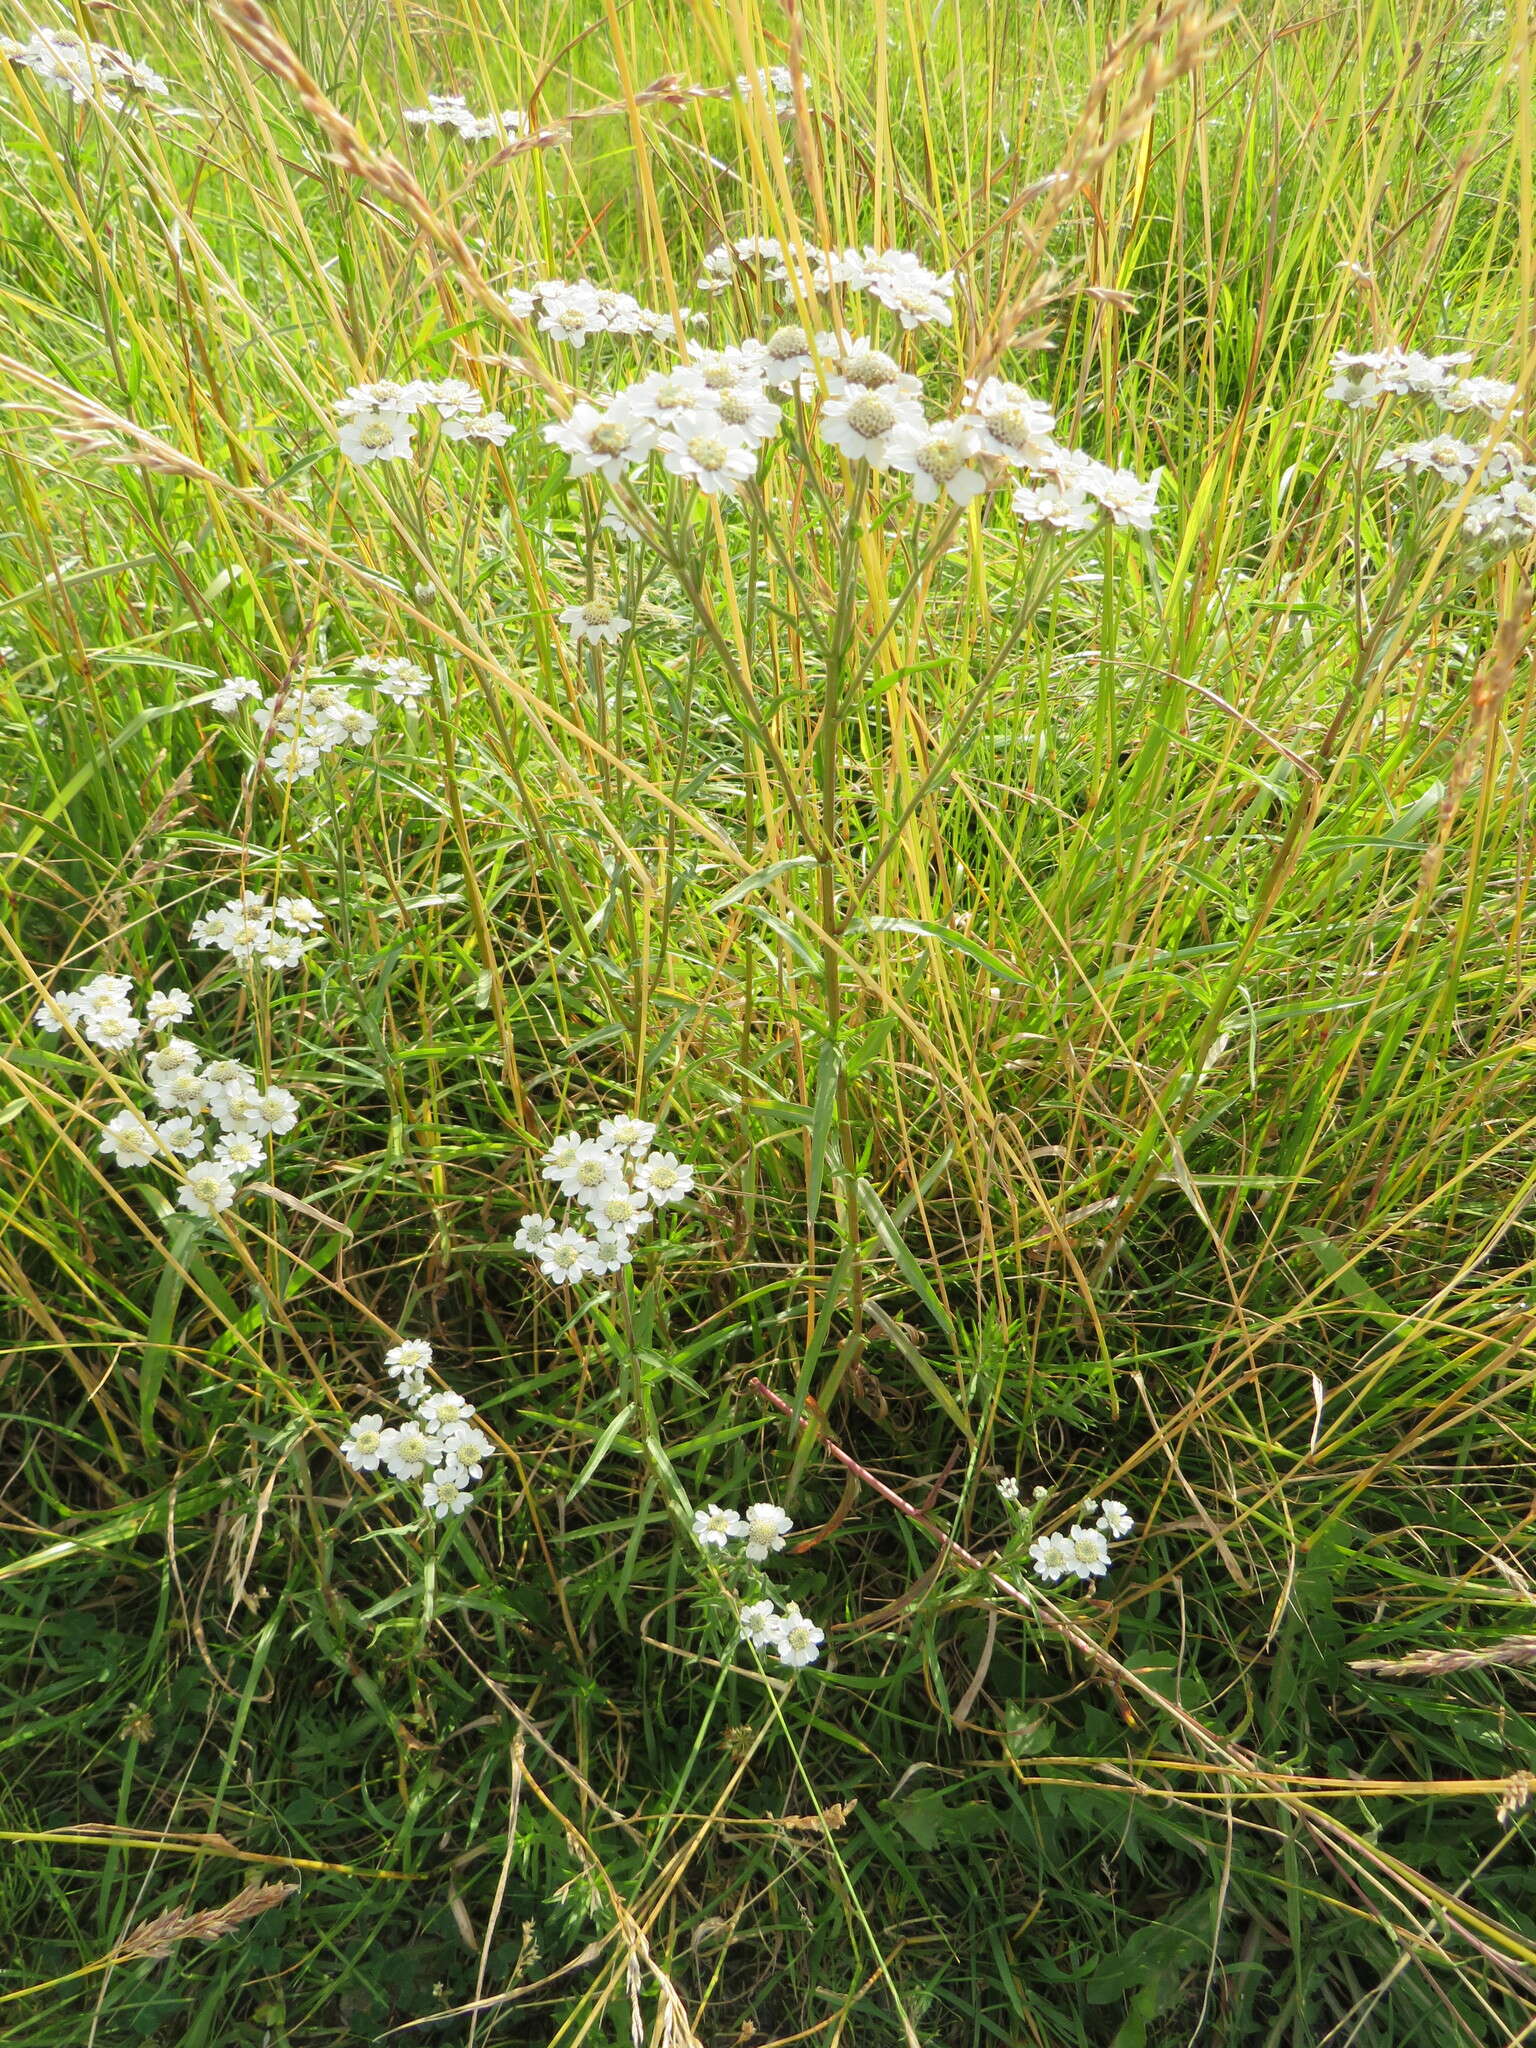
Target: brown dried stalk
column 153, row 1939
column 1513, row 1651
column 1089, row 148
column 1490, row 686
column 246, row 24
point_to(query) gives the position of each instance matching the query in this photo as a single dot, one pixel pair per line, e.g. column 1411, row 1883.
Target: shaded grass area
column 1170, row 1135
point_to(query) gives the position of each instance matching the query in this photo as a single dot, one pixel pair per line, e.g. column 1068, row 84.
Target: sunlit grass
column 1104, row 1049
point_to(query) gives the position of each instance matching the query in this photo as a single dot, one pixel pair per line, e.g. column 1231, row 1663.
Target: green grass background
column 1164, row 1126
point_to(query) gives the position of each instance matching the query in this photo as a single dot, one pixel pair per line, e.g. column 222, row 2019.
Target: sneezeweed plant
column 737, row 1543
column 316, row 715
column 218, row 1122
column 437, row 1447
column 1494, row 521
column 1081, row 1551
column 89, row 73
column 619, row 1183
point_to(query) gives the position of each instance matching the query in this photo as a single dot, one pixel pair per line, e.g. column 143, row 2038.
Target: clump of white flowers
column 1501, row 517
column 771, row 82
column 316, row 714
column 1081, row 1551
column 618, row 1182
column 377, row 422
column 452, row 110
column 249, row 929
column 895, row 278
column 710, row 418
column 217, row 1121
column 88, row 72
column 438, row 1446
column 792, row 1636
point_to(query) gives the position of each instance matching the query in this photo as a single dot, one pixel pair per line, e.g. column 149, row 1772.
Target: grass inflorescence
column 767, row 1120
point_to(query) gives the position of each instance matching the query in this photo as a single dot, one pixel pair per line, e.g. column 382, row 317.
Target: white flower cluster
column 452, row 110
column 276, row 935
column 1405, row 373
column 1499, row 519
column 245, row 1116
column 620, row 1182
column 1083, row 1551
column 709, row 419
column 439, row 1445
column 101, row 1010
column 86, row 71
column 573, row 311
column 312, row 717
column 895, row 278
column 761, row 1531
column 377, row 421
column 773, row 82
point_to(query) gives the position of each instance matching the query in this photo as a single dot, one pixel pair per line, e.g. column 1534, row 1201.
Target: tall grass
column 1105, row 1048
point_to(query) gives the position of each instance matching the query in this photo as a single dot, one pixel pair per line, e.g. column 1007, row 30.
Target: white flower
column 494, row 427
column 446, row 1496
column 292, row 761
column 611, row 1251
column 465, row 1451
column 594, row 1167
column 377, row 437
column 364, row 1445
column 787, row 358
column 442, row 1409
column 85, row 71
column 760, row 1626
column 714, row 1527
column 657, row 400
column 113, row 1030
column 1481, row 394
column 208, row 1190
column 179, row 1134
column 385, row 396
column 598, row 620
column 566, row 1257
column 167, row 1007
column 282, row 950
column 561, row 1156
column 700, row 446
column 775, row 83
column 129, row 1139
column 234, row 1104
column 1127, row 500
column 860, row 425
column 1090, row 1551
column 602, row 443
column 232, row 693
column 663, row 1177
column 275, row 1112
column 937, row 458
column 615, row 522
column 456, row 401
column 401, row 680
column 631, row 1134
column 299, row 914
column 409, row 1359
column 1453, row 461
column 534, row 1232
column 1115, row 1519
column 570, row 312
column 411, row 1450
column 1052, row 1557
column 1011, row 423
column 171, row 1058
column 183, row 1090
column 240, row 1152
column 749, row 411
column 861, row 368
column 798, row 1640
column 616, row 1211
column 765, row 1528
column 1066, row 506
column 1008, row 1489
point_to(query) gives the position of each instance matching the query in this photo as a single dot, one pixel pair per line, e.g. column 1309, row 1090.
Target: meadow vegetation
column 765, row 1271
